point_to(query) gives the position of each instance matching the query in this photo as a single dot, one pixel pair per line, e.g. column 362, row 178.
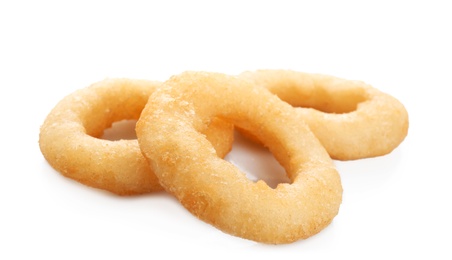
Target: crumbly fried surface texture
column 70, row 140
column 352, row 119
column 169, row 133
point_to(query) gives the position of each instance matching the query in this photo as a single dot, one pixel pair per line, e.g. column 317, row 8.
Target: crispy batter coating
column 70, row 139
column 352, row 119
column 169, row 133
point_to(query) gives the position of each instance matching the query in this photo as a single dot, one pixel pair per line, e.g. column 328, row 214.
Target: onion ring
column 69, row 137
column 353, row 120
column 213, row 189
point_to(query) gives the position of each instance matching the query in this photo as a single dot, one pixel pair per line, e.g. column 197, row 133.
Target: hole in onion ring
column 339, row 104
column 256, row 161
column 121, row 130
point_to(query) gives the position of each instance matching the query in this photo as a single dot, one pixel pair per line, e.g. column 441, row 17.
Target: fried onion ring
column 70, row 139
column 214, row 190
column 352, row 119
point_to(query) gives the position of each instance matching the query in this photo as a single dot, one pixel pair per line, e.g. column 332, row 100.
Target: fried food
column 352, row 119
column 70, row 139
column 169, row 133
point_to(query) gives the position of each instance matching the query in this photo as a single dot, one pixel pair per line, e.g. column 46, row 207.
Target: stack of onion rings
column 185, row 127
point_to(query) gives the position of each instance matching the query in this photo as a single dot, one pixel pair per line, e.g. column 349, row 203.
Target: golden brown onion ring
column 352, row 119
column 169, row 133
column 70, row 137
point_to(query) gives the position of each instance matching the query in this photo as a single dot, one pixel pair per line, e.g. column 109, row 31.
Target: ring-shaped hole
column 121, row 130
column 256, row 161
column 333, row 102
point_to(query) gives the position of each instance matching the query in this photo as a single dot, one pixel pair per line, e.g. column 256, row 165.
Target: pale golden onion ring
column 352, row 119
column 69, row 137
column 169, row 133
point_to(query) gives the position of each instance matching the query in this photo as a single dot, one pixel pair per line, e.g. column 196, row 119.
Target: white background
column 394, row 206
